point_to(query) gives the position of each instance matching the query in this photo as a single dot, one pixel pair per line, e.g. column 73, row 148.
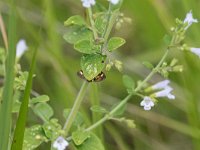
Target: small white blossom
column 88, row 3
column 114, row 2
column 189, row 20
column 160, row 85
column 60, row 143
column 165, row 93
column 147, row 103
column 21, row 48
column 195, row 51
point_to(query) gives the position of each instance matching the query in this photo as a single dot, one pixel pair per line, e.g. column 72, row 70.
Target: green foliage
column 148, row 65
column 75, row 20
column 129, row 83
column 21, row 122
column 77, row 33
column 44, row 111
column 91, row 143
column 7, row 95
column 52, row 129
column 20, row 81
column 16, row 106
column 2, row 61
column 101, row 23
column 92, row 65
column 86, row 47
column 98, row 109
column 39, row 99
column 80, row 136
column 33, row 137
column 114, row 43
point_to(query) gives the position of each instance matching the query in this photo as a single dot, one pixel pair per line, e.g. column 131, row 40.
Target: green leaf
column 16, row 106
column 92, row 65
column 7, row 96
column 40, row 99
column 75, row 20
column 77, row 121
column 52, row 129
column 86, row 47
column 100, row 23
column 128, row 82
column 115, row 42
column 21, row 122
column 167, row 39
column 80, row 136
column 20, row 81
column 92, row 143
column 148, row 65
column 33, row 137
column 44, row 111
column 77, row 33
column 98, row 109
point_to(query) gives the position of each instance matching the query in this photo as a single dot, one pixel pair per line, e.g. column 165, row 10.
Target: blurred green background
column 170, row 125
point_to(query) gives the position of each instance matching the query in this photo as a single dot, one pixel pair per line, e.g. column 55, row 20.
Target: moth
column 100, row 77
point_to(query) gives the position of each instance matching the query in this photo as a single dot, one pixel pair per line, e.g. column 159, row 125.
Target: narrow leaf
column 7, row 96
column 21, row 122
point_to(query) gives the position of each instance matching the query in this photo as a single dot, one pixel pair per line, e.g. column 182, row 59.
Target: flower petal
column 60, row 143
column 21, row 48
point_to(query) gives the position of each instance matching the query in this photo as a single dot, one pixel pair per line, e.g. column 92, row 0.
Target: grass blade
column 21, row 122
column 7, row 97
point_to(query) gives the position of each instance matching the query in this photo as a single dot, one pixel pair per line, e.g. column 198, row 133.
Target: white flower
column 189, row 20
column 21, row 48
column 114, row 2
column 195, row 51
column 160, row 85
column 88, row 3
column 165, row 93
column 60, row 143
column 147, row 102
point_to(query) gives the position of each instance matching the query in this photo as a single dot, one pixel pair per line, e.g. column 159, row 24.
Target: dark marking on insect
column 100, row 77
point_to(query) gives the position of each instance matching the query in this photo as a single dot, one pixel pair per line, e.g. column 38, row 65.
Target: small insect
column 100, row 77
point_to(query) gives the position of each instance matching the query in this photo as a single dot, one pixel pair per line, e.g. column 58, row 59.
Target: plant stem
column 152, row 72
column 94, row 96
column 106, row 117
column 92, row 23
column 111, row 19
column 75, row 107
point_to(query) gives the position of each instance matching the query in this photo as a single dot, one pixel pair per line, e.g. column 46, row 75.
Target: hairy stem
column 92, row 23
column 75, row 107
